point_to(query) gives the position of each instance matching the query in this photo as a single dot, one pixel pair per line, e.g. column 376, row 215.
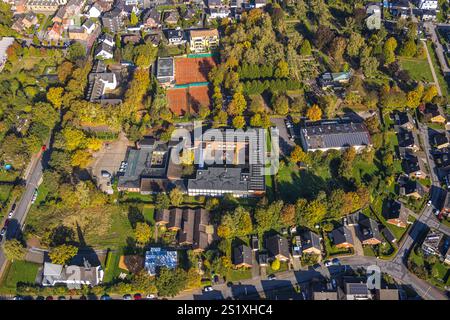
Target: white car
column 11, row 212
column 436, row 212
column 328, row 263
column 429, row 203
column 208, row 289
column 34, row 196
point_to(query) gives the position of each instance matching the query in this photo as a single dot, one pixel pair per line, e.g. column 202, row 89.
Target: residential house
column 156, row 258
column 335, row 134
column 400, row 8
column 172, row 17
column 373, row 20
column 396, row 214
column 447, row 256
column 165, row 71
column 77, row 33
column 242, row 257
column 218, row 13
column 367, row 230
column 25, row 22
column 440, row 141
column 356, row 289
column 189, row 14
column 334, row 80
column 341, row 237
column 432, row 114
column 113, row 20
column 89, row 25
column 107, row 39
column 175, row 37
column 44, row 6
column 413, row 166
column 433, row 244
column 73, row 276
column 278, row 248
column 402, row 119
column 446, row 207
column 203, row 40
column 407, row 140
column 55, row 32
column 100, row 81
column 95, row 10
column 310, row 243
column 411, row 188
column 193, row 226
column 152, row 19
column 426, row 15
column 104, row 51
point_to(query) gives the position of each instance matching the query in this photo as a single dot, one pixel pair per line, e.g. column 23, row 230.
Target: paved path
column 433, row 72
column 440, row 52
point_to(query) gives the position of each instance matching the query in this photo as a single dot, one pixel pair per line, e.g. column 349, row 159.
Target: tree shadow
column 134, row 216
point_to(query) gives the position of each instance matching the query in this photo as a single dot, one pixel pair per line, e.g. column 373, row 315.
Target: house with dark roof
column 433, row 244
column 175, row 37
column 432, row 114
column 356, row 289
column 413, row 166
column 192, row 225
column 334, row 80
column 113, row 20
column 367, row 230
column 396, row 213
column 104, row 51
column 172, row 17
column 310, row 243
column 402, row 119
column 341, row 237
column 440, row 141
column 337, row 134
column 278, row 247
column 242, row 257
column 407, row 139
column 411, row 188
column 152, row 19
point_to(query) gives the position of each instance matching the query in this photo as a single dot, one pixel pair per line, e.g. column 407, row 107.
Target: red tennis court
column 190, row 70
column 187, row 100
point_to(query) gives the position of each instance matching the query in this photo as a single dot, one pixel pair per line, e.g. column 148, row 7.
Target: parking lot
column 286, row 145
column 109, row 159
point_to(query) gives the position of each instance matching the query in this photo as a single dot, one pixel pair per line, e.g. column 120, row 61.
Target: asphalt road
column 18, row 219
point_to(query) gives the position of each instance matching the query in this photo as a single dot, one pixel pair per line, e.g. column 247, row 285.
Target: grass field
column 442, row 81
column 19, row 271
column 418, row 69
column 112, row 269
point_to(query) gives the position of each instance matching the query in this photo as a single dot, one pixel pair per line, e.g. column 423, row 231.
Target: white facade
column 94, row 12
column 428, row 4
column 103, row 54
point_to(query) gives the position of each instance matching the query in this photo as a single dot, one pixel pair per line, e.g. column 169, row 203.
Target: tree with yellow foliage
column 54, row 96
column 81, row 159
column 429, row 94
column 314, row 113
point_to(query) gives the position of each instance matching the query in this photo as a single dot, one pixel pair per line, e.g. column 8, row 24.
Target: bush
column 275, row 266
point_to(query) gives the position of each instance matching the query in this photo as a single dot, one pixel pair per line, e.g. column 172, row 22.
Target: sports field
column 187, row 100
column 191, row 70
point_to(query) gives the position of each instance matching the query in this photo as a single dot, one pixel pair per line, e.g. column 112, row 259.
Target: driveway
column 286, row 145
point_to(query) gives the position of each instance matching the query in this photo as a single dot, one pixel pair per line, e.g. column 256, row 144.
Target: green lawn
column 437, row 68
column 418, row 69
column 19, row 271
column 238, row 274
column 294, row 182
column 149, row 214
column 111, row 267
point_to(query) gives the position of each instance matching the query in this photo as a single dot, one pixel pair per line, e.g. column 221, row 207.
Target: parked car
column 2, row 233
column 151, row 297
column 105, row 174
column 11, row 212
column 40, row 298
column 208, row 289
column 137, row 296
column 328, row 263
column 7, row 222
column 436, row 212
column 127, row 297
column 429, row 203
column 333, row 283
column 35, row 194
column 61, row 298
column 17, row 298
column 49, row 298
column 336, row 262
column 271, row 277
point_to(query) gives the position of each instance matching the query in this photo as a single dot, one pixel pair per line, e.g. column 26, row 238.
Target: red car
column 137, row 296
column 44, row 147
column 49, row 298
